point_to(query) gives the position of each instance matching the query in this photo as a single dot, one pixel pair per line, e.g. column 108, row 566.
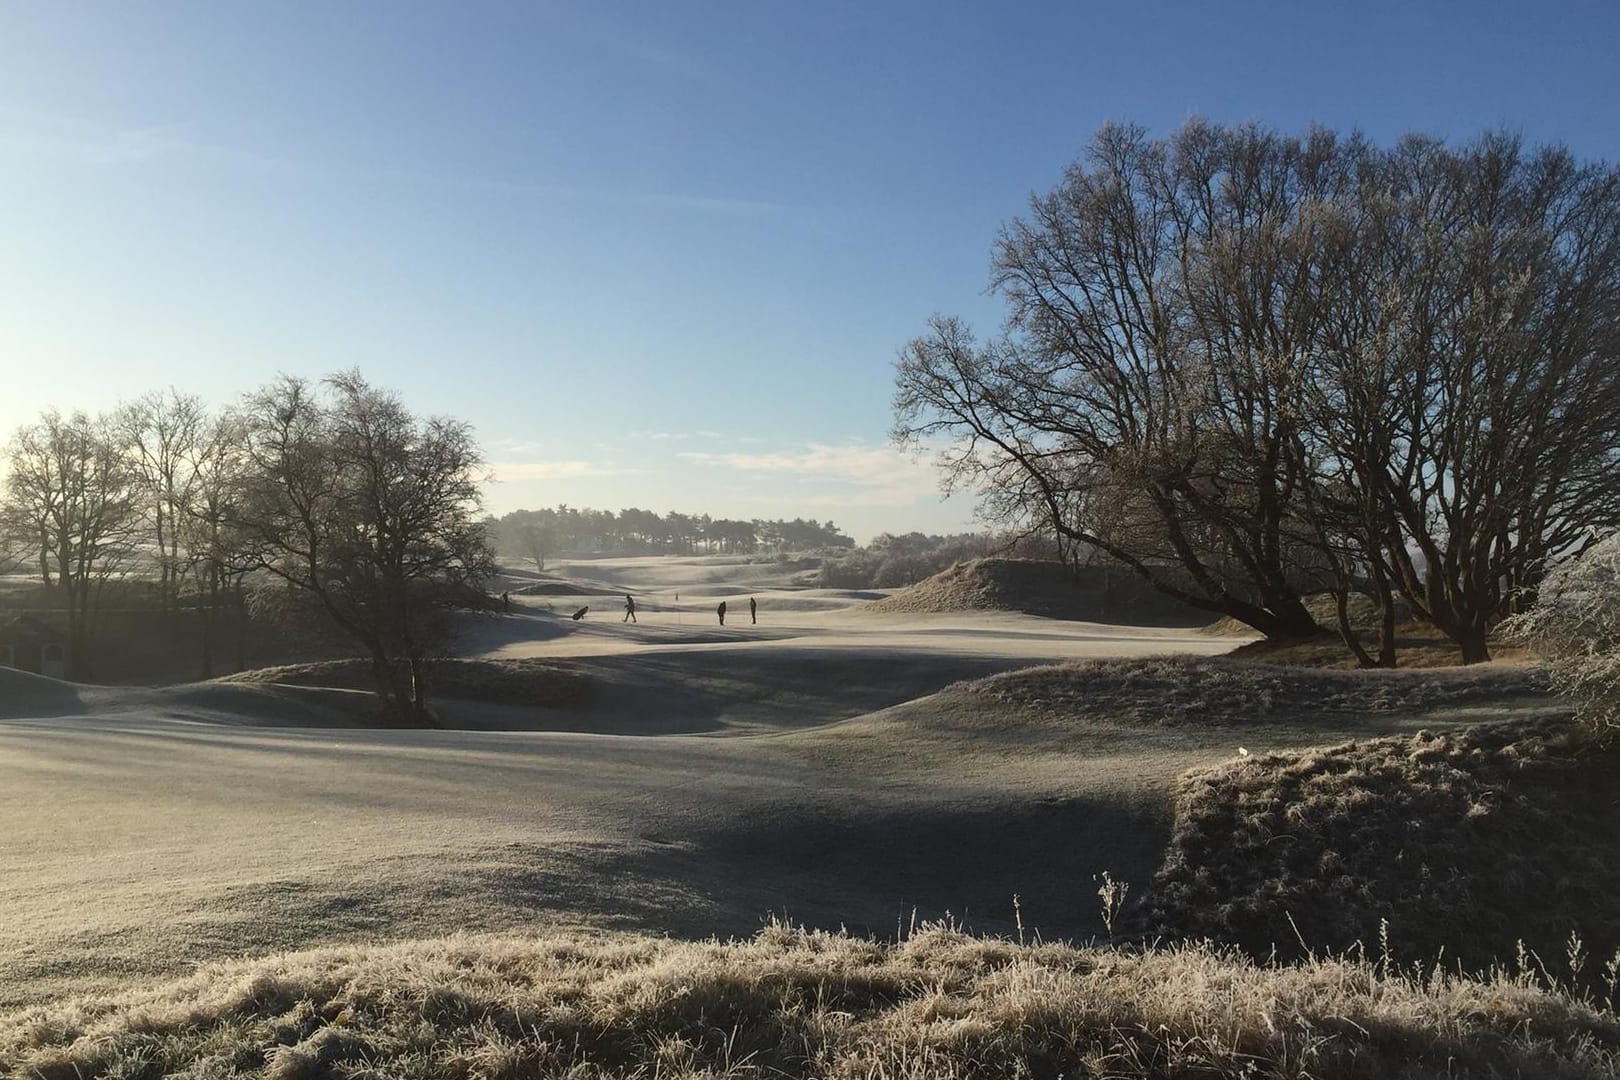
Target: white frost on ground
column 144, row 830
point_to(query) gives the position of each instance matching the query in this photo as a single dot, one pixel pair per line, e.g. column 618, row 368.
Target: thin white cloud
column 627, row 42
column 685, row 436
column 851, row 474
column 517, row 449
column 666, row 60
column 95, row 148
column 140, row 144
column 553, row 470
column 656, row 200
column 34, row 136
column 54, row 138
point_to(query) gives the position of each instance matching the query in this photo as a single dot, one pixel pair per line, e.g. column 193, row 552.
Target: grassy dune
column 793, row 1003
column 1040, row 588
column 1482, row 843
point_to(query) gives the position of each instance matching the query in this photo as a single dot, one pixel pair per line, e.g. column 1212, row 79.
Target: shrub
column 1575, row 626
column 1474, row 845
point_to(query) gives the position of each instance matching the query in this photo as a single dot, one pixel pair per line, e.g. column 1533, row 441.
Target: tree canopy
column 1251, row 365
column 368, row 509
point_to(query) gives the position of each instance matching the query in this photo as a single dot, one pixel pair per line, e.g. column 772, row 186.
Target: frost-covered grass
column 1474, row 846
column 1575, row 627
column 1177, row 690
column 793, row 1003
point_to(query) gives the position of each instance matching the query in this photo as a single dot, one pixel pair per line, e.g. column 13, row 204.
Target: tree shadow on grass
column 24, row 695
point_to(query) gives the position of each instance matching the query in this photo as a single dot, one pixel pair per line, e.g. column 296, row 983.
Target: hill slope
column 1222, row 690
column 1049, row 589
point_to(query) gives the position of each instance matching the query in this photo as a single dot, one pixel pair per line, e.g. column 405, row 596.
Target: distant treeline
column 537, row 535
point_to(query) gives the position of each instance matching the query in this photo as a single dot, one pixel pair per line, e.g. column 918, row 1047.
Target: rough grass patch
column 796, row 1003
column 1462, row 845
column 1176, row 690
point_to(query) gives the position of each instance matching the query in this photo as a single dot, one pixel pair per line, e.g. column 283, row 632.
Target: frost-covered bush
column 1575, row 626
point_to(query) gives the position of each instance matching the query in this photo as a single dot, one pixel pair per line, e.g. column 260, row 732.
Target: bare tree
column 1246, row 365
column 1467, row 391
column 369, row 510
column 534, row 540
column 216, row 547
column 1160, row 320
column 27, row 510
column 164, row 432
column 71, row 489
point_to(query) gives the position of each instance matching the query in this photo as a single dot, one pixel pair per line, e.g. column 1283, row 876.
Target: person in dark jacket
column 630, row 609
column 721, row 611
column 753, row 610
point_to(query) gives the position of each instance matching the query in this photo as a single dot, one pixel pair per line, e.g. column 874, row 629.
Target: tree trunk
column 77, row 668
column 419, row 705
column 1466, row 627
column 210, row 617
column 1474, row 643
column 1284, row 618
column 241, row 626
column 417, row 667
column 1352, row 640
column 1386, row 615
column 403, row 694
column 164, row 568
column 386, row 681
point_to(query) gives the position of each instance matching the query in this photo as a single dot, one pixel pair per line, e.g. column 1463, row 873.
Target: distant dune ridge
column 1049, row 589
column 561, row 588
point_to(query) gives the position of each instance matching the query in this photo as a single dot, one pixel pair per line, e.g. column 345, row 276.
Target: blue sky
column 659, row 254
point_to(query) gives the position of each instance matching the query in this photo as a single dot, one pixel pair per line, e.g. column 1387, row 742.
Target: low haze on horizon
column 658, row 255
